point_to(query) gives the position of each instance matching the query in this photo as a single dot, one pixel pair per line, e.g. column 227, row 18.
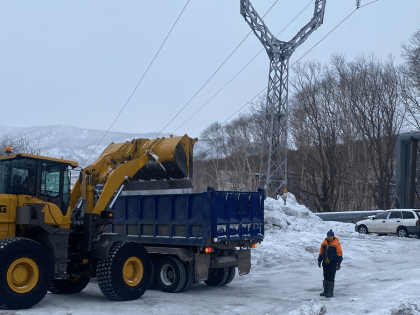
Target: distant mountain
column 71, row 143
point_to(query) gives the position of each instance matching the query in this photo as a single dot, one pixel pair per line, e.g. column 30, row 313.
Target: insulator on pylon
column 358, row 3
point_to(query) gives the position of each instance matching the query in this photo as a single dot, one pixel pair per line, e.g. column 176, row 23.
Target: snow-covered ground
column 379, row 275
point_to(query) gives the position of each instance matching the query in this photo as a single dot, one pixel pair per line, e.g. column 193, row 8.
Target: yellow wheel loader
column 45, row 246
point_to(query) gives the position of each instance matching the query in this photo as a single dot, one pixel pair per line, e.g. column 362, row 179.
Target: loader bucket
column 174, row 159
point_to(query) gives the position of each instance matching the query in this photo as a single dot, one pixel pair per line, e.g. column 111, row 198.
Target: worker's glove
column 319, row 264
column 338, row 267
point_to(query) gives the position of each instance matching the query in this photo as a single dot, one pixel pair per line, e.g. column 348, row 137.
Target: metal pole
column 413, row 168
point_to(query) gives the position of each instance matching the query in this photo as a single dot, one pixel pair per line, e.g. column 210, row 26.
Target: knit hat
column 330, row 233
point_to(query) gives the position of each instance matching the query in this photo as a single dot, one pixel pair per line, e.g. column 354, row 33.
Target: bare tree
column 374, row 107
column 211, row 149
column 315, row 126
column 228, row 155
column 344, row 120
column 410, row 81
column 19, row 144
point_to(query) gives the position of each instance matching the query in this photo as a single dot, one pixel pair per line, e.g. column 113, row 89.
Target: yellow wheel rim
column 22, row 275
column 133, row 271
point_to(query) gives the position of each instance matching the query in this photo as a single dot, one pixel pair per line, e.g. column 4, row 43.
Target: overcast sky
column 77, row 62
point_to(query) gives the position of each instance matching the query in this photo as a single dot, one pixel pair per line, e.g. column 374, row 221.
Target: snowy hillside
column 69, row 142
column 379, row 276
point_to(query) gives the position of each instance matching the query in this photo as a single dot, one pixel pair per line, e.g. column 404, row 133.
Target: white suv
column 400, row 221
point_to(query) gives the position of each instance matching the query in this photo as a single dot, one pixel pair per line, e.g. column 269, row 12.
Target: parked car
column 402, row 222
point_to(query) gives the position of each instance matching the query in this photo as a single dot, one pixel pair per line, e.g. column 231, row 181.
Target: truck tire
column 70, row 285
column 232, row 272
column 190, row 276
column 26, row 272
column 170, row 274
column 152, row 275
column 125, row 274
column 217, row 277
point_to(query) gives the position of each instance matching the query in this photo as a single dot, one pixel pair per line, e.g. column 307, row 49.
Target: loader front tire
column 26, row 272
column 125, row 274
column 70, row 285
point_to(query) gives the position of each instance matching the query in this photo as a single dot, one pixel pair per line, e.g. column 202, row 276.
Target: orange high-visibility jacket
column 331, row 252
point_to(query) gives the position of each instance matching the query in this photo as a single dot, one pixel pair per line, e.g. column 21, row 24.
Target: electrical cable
column 239, row 71
column 138, row 84
column 176, row 115
column 300, row 58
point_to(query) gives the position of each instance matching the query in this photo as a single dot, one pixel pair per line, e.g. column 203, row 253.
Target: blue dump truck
column 131, row 219
column 190, row 237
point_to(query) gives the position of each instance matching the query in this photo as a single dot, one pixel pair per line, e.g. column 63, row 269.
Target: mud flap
column 244, row 261
column 202, row 265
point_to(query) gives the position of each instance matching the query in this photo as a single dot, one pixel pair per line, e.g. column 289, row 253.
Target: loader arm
column 139, row 159
column 116, row 178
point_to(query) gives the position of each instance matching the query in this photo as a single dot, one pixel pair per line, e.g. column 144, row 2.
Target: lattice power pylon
column 273, row 167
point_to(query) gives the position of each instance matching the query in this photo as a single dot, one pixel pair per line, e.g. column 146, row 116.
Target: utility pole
column 273, row 167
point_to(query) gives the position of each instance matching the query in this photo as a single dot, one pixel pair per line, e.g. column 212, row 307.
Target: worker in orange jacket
column 331, row 256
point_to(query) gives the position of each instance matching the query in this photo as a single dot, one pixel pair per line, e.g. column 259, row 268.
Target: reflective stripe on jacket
column 331, row 253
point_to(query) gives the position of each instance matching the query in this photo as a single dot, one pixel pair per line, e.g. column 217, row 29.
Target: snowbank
column 312, row 309
column 296, row 217
column 406, row 309
column 293, row 232
column 290, row 216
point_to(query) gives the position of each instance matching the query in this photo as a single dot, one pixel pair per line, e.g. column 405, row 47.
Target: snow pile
column 296, row 217
column 312, row 309
column 406, row 309
column 290, row 216
column 293, row 232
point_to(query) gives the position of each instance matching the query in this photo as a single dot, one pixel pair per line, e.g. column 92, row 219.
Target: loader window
column 66, row 191
column 18, row 176
column 3, row 178
column 50, row 180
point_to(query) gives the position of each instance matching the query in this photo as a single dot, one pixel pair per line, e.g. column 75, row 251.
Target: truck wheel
column 171, row 275
column 190, row 276
column 125, row 274
column 232, row 271
column 217, row 277
column 152, row 275
column 70, row 285
column 26, row 272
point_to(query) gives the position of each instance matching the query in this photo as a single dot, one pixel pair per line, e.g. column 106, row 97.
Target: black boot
column 330, row 287
column 325, row 288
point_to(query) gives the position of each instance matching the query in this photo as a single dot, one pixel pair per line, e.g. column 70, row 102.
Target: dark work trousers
column 329, row 272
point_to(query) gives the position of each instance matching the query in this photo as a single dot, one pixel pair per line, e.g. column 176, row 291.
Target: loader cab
column 44, row 178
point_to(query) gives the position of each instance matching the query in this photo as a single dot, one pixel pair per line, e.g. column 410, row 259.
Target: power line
column 244, row 105
column 301, row 58
column 217, row 92
column 239, row 70
column 138, row 84
column 176, row 115
column 368, row 4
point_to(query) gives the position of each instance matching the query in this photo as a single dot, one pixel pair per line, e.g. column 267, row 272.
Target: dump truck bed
column 190, row 219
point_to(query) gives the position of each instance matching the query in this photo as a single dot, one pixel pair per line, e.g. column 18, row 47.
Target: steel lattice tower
column 273, row 167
